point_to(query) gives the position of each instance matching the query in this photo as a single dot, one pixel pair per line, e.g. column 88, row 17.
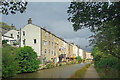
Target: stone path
column 91, row 72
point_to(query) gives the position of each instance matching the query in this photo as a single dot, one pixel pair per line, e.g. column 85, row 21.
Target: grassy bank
column 81, row 72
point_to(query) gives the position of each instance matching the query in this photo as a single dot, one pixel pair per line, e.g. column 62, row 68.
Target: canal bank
column 58, row 72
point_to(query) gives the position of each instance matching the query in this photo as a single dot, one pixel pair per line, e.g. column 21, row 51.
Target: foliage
column 13, row 7
column 81, row 72
column 5, row 26
column 48, row 66
column 93, row 14
column 103, row 19
column 4, row 43
column 60, row 64
column 79, row 59
column 106, row 64
column 9, row 63
column 72, row 62
column 102, row 39
column 15, row 44
column 27, row 58
column 83, row 60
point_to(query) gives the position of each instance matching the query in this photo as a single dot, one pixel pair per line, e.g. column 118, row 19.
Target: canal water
column 64, row 71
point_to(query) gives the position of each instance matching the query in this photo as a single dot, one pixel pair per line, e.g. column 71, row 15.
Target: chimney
column 12, row 27
column 44, row 28
column 29, row 21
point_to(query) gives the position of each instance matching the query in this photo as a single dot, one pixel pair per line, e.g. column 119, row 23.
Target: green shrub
column 72, row 62
column 67, row 63
column 83, row 60
column 4, row 43
column 9, row 64
column 79, row 59
column 48, row 66
column 15, row 44
column 27, row 58
column 108, row 67
column 60, row 64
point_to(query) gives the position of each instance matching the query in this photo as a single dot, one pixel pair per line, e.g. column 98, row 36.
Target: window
column 49, row 43
column 11, row 35
column 49, row 35
column 24, row 42
column 44, row 42
column 54, row 53
column 23, row 33
column 52, row 43
column 49, row 51
column 55, row 45
column 17, row 36
column 45, row 51
column 34, row 41
column 52, row 37
column 45, row 34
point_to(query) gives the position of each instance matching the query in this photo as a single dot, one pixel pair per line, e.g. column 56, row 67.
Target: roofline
column 48, row 32
column 8, row 36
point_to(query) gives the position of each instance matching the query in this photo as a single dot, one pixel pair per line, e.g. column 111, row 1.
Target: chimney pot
column 44, row 28
column 30, row 21
column 12, row 27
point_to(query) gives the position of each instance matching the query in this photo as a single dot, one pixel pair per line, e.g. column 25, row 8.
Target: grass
column 81, row 72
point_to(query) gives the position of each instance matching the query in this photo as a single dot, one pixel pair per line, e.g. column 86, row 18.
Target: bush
column 4, row 43
column 48, row 66
column 60, row 64
column 15, row 44
column 83, row 60
column 72, row 62
column 108, row 67
column 27, row 58
column 79, row 59
column 9, row 64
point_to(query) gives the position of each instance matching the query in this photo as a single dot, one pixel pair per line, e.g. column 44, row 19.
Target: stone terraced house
column 46, row 44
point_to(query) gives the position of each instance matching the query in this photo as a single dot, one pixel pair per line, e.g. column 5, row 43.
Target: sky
column 53, row 16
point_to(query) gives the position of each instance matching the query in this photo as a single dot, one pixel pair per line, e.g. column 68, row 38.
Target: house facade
column 11, row 36
column 46, row 44
column 82, row 53
column 31, row 36
column 89, row 57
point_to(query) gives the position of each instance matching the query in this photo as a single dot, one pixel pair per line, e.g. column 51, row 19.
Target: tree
column 93, row 14
column 9, row 64
column 107, row 39
column 12, row 6
column 27, row 59
column 4, row 43
column 5, row 26
column 103, row 19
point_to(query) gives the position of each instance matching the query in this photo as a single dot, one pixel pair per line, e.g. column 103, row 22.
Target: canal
column 64, row 71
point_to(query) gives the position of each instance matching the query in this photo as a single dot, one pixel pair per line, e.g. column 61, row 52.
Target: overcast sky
column 52, row 15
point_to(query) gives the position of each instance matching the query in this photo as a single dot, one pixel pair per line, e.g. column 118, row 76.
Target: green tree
column 103, row 19
column 107, row 39
column 9, row 64
column 12, row 6
column 27, row 58
column 5, row 26
column 93, row 14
